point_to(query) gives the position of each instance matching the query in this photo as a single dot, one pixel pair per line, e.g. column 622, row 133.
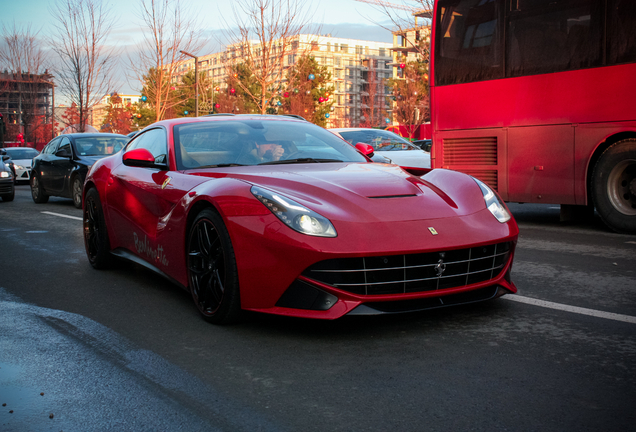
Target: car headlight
column 19, row 167
column 5, row 174
column 494, row 204
column 296, row 216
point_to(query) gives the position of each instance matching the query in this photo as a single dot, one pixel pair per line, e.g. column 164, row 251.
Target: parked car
column 61, row 167
column 424, row 144
column 277, row 215
column 387, row 144
column 7, row 180
column 22, row 157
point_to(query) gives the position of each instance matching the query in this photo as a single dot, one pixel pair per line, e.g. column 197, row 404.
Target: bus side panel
column 581, row 96
column 542, row 169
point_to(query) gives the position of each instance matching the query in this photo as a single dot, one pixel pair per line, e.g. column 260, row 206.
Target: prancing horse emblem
column 166, row 182
column 440, row 268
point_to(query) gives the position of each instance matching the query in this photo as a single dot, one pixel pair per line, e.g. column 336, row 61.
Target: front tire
column 76, row 191
column 95, row 232
column 9, row 196
column 37, row 191
column 212, row 273
column 614, row 186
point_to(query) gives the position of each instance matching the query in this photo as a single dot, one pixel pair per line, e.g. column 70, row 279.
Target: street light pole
column 196, row 82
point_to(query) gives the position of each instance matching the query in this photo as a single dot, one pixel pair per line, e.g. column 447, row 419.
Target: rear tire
column 212, row 273
column 76, row 191
column 96, row 239
column 614, row 186
column 37, row 191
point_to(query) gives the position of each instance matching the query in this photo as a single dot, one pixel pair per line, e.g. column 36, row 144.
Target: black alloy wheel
column 212, row 273
column 95, row 232
column 76, row 191
column 37, row 192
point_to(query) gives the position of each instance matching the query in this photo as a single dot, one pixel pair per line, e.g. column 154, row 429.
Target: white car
column 22, row 157
column 386, row 145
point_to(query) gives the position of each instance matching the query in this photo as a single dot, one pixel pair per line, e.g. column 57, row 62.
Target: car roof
column 91, row 135
column 229, row 117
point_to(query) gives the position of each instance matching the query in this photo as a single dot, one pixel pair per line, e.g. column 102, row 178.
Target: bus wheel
column 614, row 186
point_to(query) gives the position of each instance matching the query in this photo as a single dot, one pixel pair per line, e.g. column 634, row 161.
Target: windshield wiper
column 219, row 165
column 300, row 160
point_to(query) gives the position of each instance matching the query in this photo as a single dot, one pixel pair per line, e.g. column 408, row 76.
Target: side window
column 621, row 31
column 65, row 145
column 155, row 142
column 469, row 43
column 52, row 146
column 553, row 36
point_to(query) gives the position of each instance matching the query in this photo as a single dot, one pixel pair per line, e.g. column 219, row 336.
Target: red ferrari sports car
column 274, row 214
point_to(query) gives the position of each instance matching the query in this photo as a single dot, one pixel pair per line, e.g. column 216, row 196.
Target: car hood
column 367, row 191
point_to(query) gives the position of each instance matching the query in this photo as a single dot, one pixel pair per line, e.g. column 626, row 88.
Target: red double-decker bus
column 538, row 99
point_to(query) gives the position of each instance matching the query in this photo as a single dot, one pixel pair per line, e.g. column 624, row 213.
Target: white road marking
column 63, row 215
column 573, row 309
column 631, row 242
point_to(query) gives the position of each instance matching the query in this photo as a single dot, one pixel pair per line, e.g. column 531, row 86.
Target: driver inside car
column 267, row 152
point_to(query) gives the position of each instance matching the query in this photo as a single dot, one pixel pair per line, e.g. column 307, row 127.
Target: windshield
column 99, row 146
column 380, row 140
column 256, row 142
column 22, row 153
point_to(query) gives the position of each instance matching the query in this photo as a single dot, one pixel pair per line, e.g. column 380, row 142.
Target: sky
column 340, row 18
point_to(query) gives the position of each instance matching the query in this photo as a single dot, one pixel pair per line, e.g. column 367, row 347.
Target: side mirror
column 140, row 158
column 64, row 153
column 365, row 149
column 5, row 158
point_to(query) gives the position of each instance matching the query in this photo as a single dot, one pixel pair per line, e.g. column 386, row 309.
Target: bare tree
column 410, row 92
column 169, row 31
column 404, row 19
column 86, row 62
column 22, row 55
column 263, row 39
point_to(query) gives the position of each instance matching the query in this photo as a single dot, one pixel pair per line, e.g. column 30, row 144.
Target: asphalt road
column 87, row 350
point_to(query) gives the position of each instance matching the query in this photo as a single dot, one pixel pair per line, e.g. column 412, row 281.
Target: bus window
column 622, row 33
column 562, row 35
column 469, row 45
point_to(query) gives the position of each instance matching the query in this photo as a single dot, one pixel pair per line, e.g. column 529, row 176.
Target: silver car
column 22, row 157
column 387, row 146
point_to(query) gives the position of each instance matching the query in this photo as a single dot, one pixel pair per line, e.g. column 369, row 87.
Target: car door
column 42, row 164
column 142, row 199
column 60, row 167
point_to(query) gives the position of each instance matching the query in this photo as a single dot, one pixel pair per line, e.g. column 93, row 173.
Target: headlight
column 294, row 215
column 5, row 174
column 494, row 204
column 19, row 167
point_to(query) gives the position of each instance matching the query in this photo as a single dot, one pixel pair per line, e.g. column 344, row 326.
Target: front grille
column 411, row 273
column 6, row 188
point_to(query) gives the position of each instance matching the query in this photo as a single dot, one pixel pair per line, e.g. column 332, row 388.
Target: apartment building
column 354, row 65
column 99, row 110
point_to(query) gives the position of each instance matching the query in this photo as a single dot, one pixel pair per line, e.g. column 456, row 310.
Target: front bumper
column 275, row 269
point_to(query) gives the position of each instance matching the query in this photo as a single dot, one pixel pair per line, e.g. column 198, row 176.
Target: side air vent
column 475, row 156
column 470, row 151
